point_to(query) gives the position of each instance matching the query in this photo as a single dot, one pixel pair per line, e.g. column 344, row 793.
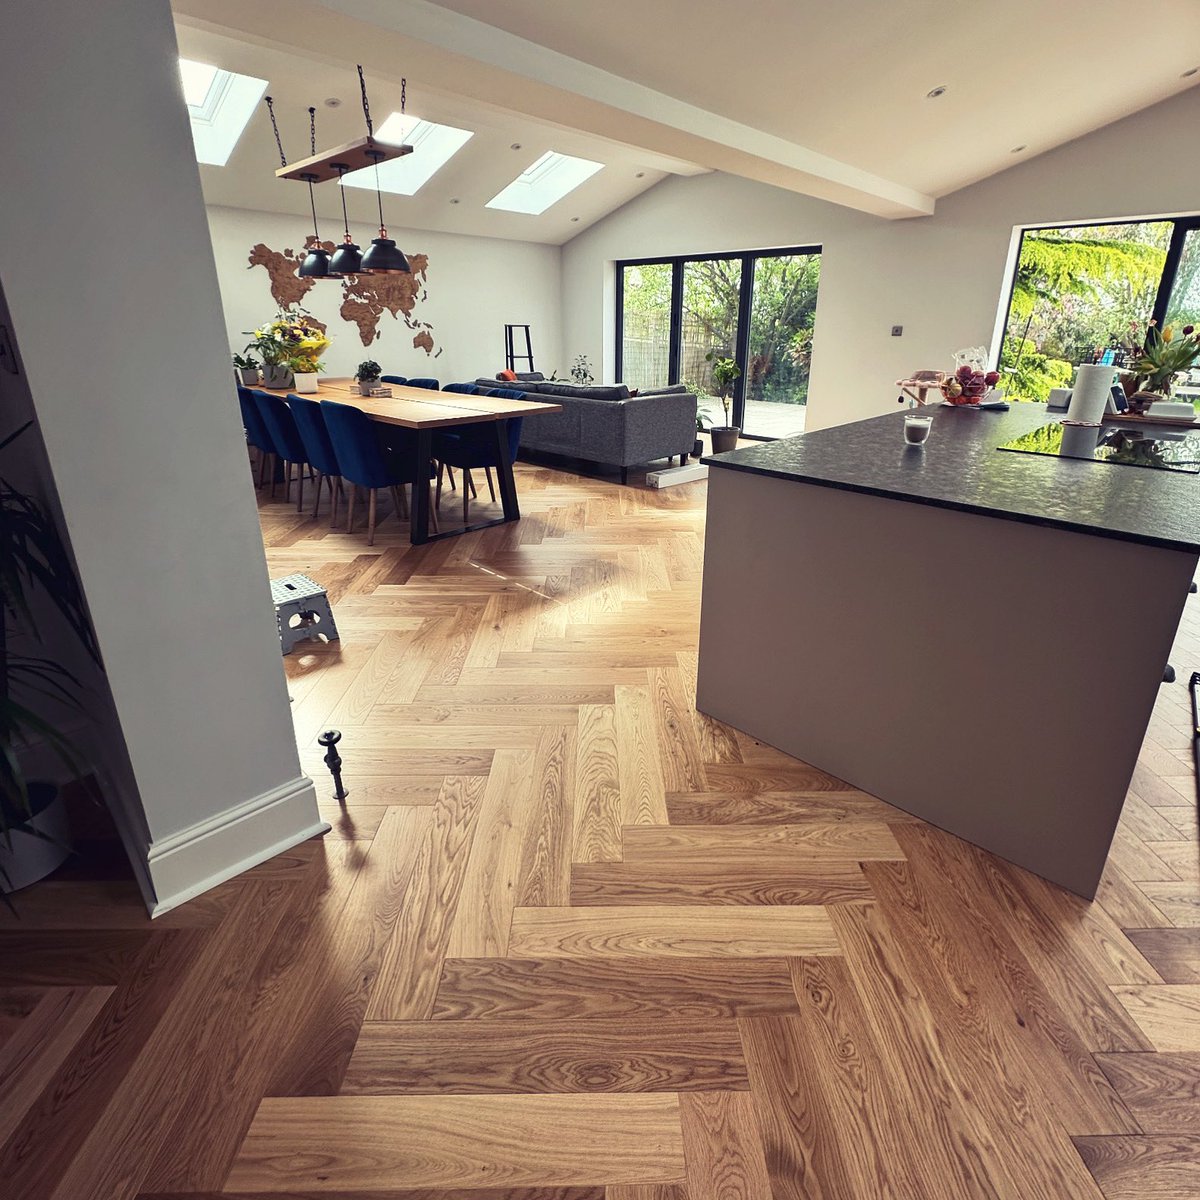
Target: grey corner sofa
column 605, row 424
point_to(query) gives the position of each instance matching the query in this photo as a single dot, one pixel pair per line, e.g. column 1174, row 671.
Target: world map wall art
column 365, row 298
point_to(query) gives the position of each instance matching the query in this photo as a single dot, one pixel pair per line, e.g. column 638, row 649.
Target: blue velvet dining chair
column 285, row 439
column 366, row 462
column 474, row 446
column 318, row 451
column 466, row 389
column 256, row 431
column 429, row 384
column 398, row 380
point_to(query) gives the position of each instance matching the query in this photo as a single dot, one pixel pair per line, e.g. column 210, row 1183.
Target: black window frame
column 745, row 301
column 1166, row 283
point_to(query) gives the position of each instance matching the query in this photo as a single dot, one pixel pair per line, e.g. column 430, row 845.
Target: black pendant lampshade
column 347, row 259
column 316, row 264
column 384, row 257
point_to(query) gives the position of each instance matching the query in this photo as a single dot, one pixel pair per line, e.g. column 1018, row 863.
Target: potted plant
column 367, row 376
column 247, row 367
column 1163, row 356
column 35, row 572
column 291, row 344
column 581, row 371
column 725, row 373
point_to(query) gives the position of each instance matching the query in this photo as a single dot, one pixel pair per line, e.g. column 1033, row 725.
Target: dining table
column 424, row 410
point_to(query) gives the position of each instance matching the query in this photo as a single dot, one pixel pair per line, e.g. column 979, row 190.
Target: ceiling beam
column 458, row 54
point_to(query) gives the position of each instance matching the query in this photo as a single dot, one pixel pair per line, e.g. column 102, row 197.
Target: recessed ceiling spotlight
column 574, row 218
column 332, row 102
column 1189, row 72
column 934, row 93
column 1018, row 149
column 515, row 146
column 453, row 199
column 640, row 175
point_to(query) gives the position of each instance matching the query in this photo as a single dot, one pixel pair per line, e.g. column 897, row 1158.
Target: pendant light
column 316, row 262
column 383, row 256
column 347, row 258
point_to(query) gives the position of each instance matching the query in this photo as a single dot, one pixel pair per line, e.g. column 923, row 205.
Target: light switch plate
column 897, row 330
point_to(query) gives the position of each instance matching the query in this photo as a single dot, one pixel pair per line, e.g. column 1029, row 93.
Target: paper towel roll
column 1079, row 441
column 1089, row 396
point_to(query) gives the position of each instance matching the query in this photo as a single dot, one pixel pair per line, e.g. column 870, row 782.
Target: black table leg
column 419, row 526
column 504, row 473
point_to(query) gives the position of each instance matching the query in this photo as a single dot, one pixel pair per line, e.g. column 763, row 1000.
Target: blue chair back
column 431, row 384
column 359, row 452
column 281, row 426
column 256, row 430
column 396, row 379
column 318, row 448
column 514, row 423
column 467, row 389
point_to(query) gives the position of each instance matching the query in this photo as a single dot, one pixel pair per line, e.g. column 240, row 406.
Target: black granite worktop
column 960, row 467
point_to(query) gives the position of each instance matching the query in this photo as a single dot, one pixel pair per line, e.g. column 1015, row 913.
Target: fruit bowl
column 968, row 385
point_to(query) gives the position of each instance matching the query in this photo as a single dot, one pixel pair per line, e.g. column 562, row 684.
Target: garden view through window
column 1087, row 293
column 756, row 307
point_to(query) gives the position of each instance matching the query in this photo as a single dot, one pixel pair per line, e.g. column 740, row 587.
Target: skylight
column 433, row 147
column 545, row 183
column 219, row 104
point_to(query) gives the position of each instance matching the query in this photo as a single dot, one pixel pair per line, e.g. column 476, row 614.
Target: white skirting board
column 672, row 475
column 210, row 852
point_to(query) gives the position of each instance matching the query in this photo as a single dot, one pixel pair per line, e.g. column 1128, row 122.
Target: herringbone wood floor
column 570, row 938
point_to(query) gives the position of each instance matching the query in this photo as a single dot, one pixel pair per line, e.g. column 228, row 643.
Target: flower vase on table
column 1162, row 356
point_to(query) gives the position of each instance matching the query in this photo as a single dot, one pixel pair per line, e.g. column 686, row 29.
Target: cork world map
column 364, row 298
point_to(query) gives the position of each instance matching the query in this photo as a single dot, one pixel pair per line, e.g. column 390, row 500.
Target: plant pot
column 279, row 377
column 724, row 438
column 697, row 448
column 250, row 376
column 32, row 857
column 306, row 381
column 1139, row 402
column 365, row 386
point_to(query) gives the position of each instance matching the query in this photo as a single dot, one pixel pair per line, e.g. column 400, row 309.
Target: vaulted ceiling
column 829, row 100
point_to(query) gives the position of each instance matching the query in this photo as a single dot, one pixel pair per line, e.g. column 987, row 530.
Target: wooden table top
column 419, row 408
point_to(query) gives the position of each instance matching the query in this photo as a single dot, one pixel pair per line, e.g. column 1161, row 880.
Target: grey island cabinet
column 974, row 635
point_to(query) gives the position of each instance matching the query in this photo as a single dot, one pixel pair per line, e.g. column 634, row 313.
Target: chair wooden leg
column 299, row 487
column 470, row 481
column 317, row 503
column 433, row 519
column 437, row 495
column 468, row 490
column 491, row 483
column 371, row 517
column 402, row 502
column 350, row 507
column 335, row 490
column 273, row 472
column 450, row 473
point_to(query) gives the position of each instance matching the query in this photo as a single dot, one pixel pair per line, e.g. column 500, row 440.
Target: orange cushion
column 508, row 375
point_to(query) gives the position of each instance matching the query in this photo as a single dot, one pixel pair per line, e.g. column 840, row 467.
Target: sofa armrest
column 657, row 426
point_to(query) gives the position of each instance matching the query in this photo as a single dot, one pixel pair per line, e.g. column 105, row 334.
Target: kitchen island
column 974, row 635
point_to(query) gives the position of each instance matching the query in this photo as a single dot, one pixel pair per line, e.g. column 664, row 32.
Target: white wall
column 475, row 286
column 107, row 268
column 941, row 277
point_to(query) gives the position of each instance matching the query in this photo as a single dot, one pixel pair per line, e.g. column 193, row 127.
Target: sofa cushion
column 671, row 389
column 615, row 391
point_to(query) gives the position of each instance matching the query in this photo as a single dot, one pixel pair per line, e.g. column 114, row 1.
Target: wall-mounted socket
column 897, row 330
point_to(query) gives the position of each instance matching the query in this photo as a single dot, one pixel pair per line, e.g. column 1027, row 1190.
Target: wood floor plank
column 687, row 931
column 596, row 836
column 474, row 1193
column 632, row 989
column 723, row 1147
column 545, row 870
column 1168, row 1014
column 31, row 1058
column 351, row 1142
column 69, row 957
column 639, row 763
column 1179, row 901
column 678, row 746
column 488, row 893
column 515, row 1055
column 1144, row 1168
column 340, row 946
column 1174, row 953
column 744, row 844
column 637, row 883
column 762, row 777
column 406, row 984
column 1161, row 1090
column 778, row 808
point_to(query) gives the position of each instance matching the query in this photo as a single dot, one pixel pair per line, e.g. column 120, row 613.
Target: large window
column 756, row 307
column 1085, row 293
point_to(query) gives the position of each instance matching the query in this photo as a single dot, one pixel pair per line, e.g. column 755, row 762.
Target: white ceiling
column 825, row 99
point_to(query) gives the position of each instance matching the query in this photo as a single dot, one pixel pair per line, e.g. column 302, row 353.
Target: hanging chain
column 275, row 126
column 403, row 95
column 362, row 83
column 312, row 129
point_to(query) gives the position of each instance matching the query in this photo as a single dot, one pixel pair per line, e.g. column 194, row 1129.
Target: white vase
column 306, row 381
column 32, row 857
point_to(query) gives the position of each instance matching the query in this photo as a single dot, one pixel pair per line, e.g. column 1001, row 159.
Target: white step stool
column 300, row 598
